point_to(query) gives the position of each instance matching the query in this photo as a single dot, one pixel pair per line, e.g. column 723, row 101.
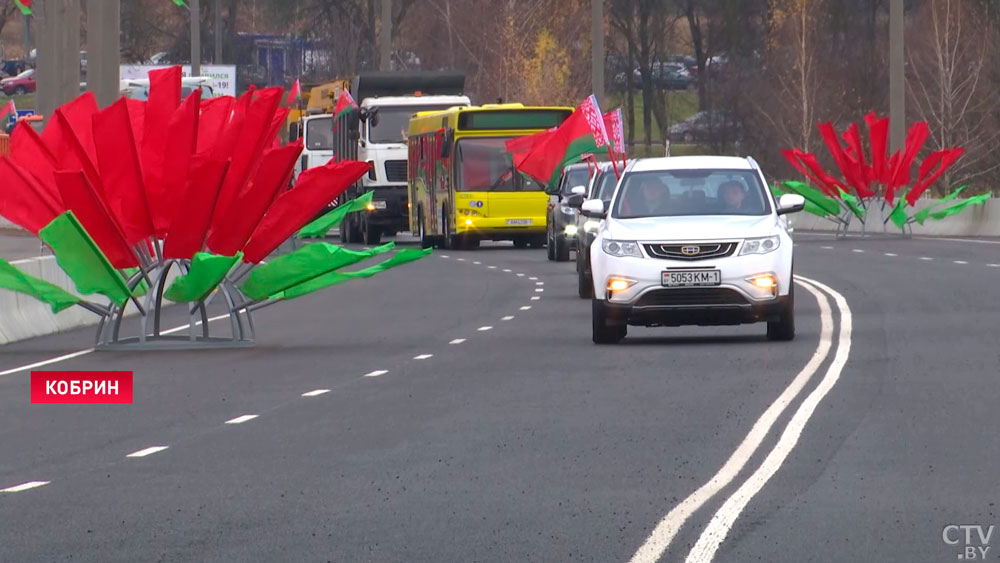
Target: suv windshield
column 484, row 165
column 319, row 134
column 394, row 122
column 691, row 192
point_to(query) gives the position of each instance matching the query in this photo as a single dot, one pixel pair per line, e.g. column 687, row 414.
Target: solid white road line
column 508, row 318
column 147, row 451
column 377, row 373
column 47, row 362
column 24, row 486
column 960, row 262
column 960, row 240
column 526, row 308
column 714, row 534
column 423, row 356
column 241, row 419
column 65, row 357
column 659, row 540
column 457, row 341
column 315, row 393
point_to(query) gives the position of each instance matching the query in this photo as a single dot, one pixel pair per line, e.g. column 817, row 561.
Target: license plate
column 678, row 278
column 518, row 221
column 379, row 204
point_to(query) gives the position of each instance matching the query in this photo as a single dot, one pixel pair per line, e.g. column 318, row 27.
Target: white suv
column 692, row 240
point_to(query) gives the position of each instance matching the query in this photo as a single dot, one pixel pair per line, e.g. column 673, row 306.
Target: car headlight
column 567, row 210
column 621, row 248
column 570, row 230
column 760, row 245
column 590, row 226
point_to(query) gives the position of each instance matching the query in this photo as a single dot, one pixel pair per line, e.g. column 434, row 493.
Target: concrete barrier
column 975, row 221
column 22, row 316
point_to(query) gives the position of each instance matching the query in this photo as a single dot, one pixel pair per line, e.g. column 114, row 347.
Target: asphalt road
column 862, row 440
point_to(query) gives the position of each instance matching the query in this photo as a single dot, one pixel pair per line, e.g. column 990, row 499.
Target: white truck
column 376, row 132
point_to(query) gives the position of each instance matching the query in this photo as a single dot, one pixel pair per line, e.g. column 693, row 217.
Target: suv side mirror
column 791, row 203
column 578, row 190
column 593, row 208
column 575, row 201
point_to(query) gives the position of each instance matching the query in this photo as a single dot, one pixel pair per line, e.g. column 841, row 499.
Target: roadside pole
column 195, row 12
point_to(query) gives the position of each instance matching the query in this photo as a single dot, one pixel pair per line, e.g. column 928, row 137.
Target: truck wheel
column 372, row 233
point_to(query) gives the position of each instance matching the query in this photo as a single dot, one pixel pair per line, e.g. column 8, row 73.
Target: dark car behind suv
column 601, row 186
column 561, row 218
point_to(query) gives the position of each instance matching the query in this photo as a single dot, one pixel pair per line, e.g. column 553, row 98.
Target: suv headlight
column 760, row 245
column 567, row 210
column 621, row 248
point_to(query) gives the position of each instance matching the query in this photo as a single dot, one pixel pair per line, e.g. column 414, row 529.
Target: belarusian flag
column 24, row 6
column 180, row 3
column 616, row 132
column 8, row 110
column 582, row 132
column 295, row 92
column 344, row 103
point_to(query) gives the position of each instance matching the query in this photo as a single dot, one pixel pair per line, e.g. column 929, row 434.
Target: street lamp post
column 897, row 84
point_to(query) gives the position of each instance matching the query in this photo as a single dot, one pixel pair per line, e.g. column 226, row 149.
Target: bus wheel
column 425, row 241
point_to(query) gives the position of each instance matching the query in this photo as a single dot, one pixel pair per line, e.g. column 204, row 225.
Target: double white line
column 722, row 521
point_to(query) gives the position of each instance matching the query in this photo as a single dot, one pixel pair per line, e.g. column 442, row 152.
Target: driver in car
column 732, row 195
column 654, row 198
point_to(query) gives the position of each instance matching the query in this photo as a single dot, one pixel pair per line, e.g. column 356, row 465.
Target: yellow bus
column 462, row 184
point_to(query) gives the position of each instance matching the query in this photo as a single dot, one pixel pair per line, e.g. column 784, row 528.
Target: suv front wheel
column 783, row 329
column 604, row 331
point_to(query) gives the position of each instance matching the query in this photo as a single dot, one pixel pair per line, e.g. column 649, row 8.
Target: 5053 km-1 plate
column 688, row 278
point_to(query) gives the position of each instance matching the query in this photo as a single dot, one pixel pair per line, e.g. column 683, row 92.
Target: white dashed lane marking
column 457, row 341
column 423, row 356
column 926, row 258
column 960, row 262
column 535, row 298
column 526, row 307
column 508, row 270
column 147, row 451
column 242, row 419
column 492, row 267
column 827, row 247
column 316, row 393
column 520, row 275
column 890, row 254
column 539, row 290
column 539, row 283
column 858, row 250
column 377, row 373
column 24, row 486
column 484, row 328
column 508, row 318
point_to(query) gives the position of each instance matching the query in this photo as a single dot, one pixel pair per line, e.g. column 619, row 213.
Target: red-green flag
column 344, row 103
column 181, row 3
column 8, row 110
column 24, row 6
column 582, row 132
column 295, row 92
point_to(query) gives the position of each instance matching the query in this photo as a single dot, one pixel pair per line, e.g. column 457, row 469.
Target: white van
column 138, row 89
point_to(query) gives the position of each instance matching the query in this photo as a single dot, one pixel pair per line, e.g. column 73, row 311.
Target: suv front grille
column 691, row 296
column 395, row 170
column 695, row 251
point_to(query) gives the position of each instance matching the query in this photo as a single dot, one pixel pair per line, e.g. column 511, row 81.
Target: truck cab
column 317, row 142
column 376, row 133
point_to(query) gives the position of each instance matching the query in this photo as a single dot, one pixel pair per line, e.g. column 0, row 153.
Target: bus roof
column 490, row 117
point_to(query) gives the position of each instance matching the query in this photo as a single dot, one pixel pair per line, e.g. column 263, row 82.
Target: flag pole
column 613, row 162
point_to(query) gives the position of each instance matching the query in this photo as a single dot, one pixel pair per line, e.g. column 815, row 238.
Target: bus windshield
column 486, row 166
column 393, row 122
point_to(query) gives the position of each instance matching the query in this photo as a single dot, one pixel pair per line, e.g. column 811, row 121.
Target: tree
column 950, row 87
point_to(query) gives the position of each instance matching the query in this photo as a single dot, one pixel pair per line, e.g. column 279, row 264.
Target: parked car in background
column 23, row 83
column 706, row 127
column 665, row 75
column 12, row 68
column 139, row 89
